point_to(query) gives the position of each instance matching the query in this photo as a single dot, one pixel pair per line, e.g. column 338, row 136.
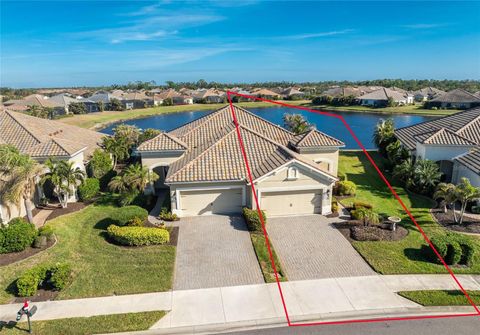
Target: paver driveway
column 310, row 248
column 215, row 251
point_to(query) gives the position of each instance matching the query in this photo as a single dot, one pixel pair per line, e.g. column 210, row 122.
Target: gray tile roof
column 164, row 142
column 383, row 94
column 470, row 160
column 465, row 124
column 314, row 139
column 443, row 136
column 457, row 95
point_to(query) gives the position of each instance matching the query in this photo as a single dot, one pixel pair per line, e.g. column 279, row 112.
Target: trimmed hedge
column 136, row 236
column 367, row 215
column 454, row 249
column 360, row 204
column 16, row 236
column 60, row 275
column 57, row 276
column 346, row 187
column 135, row 222
column 123, row 215
column 88, row 189
column 253, row 219
column 167, row 216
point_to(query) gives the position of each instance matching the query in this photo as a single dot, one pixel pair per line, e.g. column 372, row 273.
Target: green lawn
column 99, row 120
column 100, row 268
column 91, row 325
column 441, row 298
column 263, row 256
column 409, row 109
column 410, row 254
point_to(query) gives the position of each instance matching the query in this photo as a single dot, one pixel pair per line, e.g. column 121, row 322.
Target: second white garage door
column 292, row 202
column 222, row 201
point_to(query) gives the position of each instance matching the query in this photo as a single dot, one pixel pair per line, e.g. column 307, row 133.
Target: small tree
column 383, row 134
column 100, row 164
column 77, row 108
column 448, row 194
column 391, row 102
column 116, row 105
column 101, row 106
column 148, row 134
column 466, row 192
column 117, row 147
column 167, row 102
column 296, row 123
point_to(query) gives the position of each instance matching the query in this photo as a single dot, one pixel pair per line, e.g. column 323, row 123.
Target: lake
column 362, row 124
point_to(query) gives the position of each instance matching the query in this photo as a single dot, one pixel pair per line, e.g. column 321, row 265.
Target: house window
column 292, row 173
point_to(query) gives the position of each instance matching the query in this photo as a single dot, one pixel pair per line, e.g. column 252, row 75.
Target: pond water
column 362, row 124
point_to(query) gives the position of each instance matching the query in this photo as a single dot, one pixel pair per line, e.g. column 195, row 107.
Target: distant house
column 90, row 105
column 266, row 93
column 133, row 100
column 292, row 93
column 457, row 98
column 427, row 93
column 63, row 100
column 347, row 91
column 176, row 97
column 102, row 97
column 379, row 98
column 209, row 96
column 34, row 100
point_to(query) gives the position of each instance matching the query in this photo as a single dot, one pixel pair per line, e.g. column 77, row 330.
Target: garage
column 292, row 202
column 211, row 201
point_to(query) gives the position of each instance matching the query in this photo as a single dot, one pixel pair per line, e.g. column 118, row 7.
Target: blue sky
column 60, row 43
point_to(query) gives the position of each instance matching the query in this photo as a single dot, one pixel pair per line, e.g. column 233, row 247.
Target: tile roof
column 163, row 141
column 213, row 150
column 40, row 137
column 443, row 136
column 471, row 160
column 314, row 139
column 383, row 94
column 429, row 92
column 465, row 124
column 457, row 95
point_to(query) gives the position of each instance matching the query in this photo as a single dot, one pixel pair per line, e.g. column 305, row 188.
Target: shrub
column 367, row 215
column 40, row 241
column 27, row 284
column 454, row 249
column 167, row 216
column 123, row 215
column 253, row 219
column 135, row 222
column 100, row 164
column 454, row 253
column 136, row 236
column 441, row 245
column 359, row 204
column 334, row 206
column 17, row 235
column 60, row 275
column 46, row 231
column 88, row 189
column 468, row 252
column 346, row 187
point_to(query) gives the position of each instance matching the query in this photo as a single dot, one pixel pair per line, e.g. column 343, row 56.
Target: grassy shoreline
column 98, row 121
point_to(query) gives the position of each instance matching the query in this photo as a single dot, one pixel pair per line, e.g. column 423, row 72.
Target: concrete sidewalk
column 310, row 299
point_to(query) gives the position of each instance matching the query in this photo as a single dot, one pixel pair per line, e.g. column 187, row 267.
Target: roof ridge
column 21, row 125
column 175, row 139
column 261, row 118
column 308, row 133
column 469, row 124
column 440, row 118
column 204, row 118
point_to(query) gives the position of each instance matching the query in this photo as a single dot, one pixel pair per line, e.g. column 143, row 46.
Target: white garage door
column 292, row 202
column 206, row 202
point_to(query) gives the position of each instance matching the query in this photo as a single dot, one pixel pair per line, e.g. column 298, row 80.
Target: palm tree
column 383, row 134
column 427, row 175
column 296, row 123
column 466, row 192
column 405, row 171
column 447, row 192
column 18, row 176
column 132, row 181
column 64, row 177
column 117, row 147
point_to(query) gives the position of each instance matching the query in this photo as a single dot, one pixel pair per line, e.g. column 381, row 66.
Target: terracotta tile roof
column 443, row 136
column 163, row 141
column 214, row 154
column 464, row 124
column 471, row 160
column 40, row 137
column 314, row 139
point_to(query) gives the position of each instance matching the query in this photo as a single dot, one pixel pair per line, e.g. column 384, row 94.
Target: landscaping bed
column 100, row 324
column 356, row 231
column 441, row 297
column 13, row 257
column 469, row 225
column 57, row 210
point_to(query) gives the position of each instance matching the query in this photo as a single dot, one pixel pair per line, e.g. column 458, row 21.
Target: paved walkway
column 309, row 299
column 41, row 217
column 310, row 248
column 214, row 251
column 152, row 216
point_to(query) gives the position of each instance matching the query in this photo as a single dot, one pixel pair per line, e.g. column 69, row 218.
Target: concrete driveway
column 310, row 248
column 215, row 251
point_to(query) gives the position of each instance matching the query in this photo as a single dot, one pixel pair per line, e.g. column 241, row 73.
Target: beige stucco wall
column 151, row 160
column 330, row 157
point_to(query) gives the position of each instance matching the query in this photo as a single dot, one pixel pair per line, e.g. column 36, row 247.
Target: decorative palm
column 18, row 176
column 447, row 192
column 405, row 171
column 466, row 192
column 296, row 123
column 64, row 178
column 427, row 175
column 383, row 134
column 117, row 147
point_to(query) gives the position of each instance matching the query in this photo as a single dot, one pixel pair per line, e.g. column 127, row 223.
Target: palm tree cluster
column 383, row 135
column 450, row 194
column 64, row 177
column 421, row 176
column 296, row 123
column 131, row 182
column 18, row 176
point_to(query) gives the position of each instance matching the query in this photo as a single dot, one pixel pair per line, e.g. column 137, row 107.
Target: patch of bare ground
column 469, row 225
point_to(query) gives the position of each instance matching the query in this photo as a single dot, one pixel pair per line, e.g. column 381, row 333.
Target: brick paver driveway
column 310, row 248
column 215, row 251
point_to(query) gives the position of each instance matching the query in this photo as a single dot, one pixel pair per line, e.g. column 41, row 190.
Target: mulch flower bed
column 41, row 295
column 12, row 257
column 469, row 225
column 59, row 211
column 354, row 230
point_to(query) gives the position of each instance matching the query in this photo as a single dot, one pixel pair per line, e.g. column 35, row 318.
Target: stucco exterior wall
column 460, row 170
column 440, row 152
column 151, row 160
column 328, row 157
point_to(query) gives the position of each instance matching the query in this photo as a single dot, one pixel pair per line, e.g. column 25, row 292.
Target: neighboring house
column 209, row 96
column 34, row 100
column 90, row 105
column 468, row 166
column 457, row 98
column 134, row 100
column 379, row 98
column 63, row 101
column 177, row 98
column 448, row 141
column 102, row 96
column 292, row 92
column 337, row 92
column 266, row 93
column 427, row 93
column 43, row 139
column 201, row 164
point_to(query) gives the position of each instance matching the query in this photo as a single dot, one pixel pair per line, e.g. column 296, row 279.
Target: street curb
column 324, row 317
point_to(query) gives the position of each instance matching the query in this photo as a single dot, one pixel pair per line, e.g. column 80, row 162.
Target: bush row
column 122, row 216
column 167, row 216
column 16, row 236
column 454, row 249
column 136, row 236
column 345, row 187
column 253, row 219
column 56, row 276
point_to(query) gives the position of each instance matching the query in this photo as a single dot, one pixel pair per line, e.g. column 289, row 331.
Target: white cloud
column 424, row 25
column 317, row 35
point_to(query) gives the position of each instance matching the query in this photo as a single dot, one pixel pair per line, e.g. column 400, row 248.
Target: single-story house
column 448, row 141
column 427, row 93
column 457, row 98
column 133, row 100
column 201, row 165
column 177, row 98
column 209, row 96
column 380, row 97
column 467, row 165
column 346, row 91
column 34, row 100
column 266, row 93
column 43, row 139
column 292, row 92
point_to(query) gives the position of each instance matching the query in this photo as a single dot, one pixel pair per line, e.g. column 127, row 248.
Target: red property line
column 340, row 117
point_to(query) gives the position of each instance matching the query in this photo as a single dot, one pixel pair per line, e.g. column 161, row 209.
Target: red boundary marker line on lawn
column 247, row 165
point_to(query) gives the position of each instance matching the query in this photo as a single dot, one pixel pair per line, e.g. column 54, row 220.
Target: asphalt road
column 450, row 326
